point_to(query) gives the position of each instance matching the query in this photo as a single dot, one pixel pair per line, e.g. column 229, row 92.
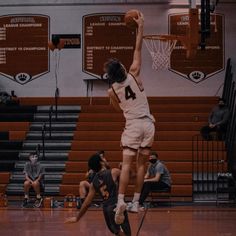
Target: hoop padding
column 160, row 48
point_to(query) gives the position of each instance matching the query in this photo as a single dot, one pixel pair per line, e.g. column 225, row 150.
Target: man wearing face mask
column 156, row 178
column 33, row 178
column 217, row 121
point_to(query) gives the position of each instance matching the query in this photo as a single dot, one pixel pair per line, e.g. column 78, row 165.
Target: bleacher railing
column 43, row 140
column 208, row 161
column 229, row 94
column 215, row 158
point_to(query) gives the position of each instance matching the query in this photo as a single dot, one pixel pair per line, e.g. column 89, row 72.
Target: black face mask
column 153, row 161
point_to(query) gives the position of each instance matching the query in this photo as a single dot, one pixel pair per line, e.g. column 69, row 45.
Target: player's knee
column 129, row 152
column 145, row 151
column 27, row 183
column 35, row 184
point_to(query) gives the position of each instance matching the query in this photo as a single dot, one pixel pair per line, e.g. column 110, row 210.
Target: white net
column 160, row 50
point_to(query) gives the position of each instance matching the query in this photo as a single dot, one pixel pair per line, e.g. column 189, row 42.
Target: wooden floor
column 165, row 221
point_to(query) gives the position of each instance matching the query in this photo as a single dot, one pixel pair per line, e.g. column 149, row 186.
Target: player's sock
column 26, row 196
column 38, row 196
column 136, row 197
column 121, row 198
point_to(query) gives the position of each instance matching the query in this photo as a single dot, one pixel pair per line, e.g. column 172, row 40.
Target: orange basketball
column 129, row 18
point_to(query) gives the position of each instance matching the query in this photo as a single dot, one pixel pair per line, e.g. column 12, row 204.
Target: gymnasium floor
column 166, row 221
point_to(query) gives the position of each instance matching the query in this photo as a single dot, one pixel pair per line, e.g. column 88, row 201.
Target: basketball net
column 160, row 49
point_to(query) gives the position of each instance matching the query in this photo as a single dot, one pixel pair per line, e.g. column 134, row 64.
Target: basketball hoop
column 160, row 48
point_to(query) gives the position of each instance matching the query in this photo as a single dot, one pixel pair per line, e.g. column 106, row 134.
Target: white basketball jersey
column 132, row 99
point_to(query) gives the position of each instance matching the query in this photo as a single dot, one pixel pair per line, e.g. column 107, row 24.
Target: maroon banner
column 106, row 36
column 24, row 52
column 206, row 62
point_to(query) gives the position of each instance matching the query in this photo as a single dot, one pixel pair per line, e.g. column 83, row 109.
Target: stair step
column 160, row 126
column 62, row 117
column 54, row 177
column 49, row 156
column 37, row 135
column 48, row 166
column 7, row 165
column 57, row 126
column 60, row 109
column 9, row 154
column 16, row 117
column 53, row 145
column 17, row 189
column 5, row 144
column 160, row 108
column 17, row 109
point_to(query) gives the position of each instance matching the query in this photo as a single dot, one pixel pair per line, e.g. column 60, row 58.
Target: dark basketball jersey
column 91, row 176
column 106, row 187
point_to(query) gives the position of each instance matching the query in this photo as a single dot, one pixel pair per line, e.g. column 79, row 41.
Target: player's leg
column 36, row 187
column 128, row 156
column 83, row 189
column 147, row 187
column 130, row 141
column 148, row 138
column 125, row 226
column 39, row 199
column 27, row 186
column 109, row 216
column 141, row 160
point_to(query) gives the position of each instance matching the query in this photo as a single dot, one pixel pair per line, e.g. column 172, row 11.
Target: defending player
column 105, row 182
column 127, row 93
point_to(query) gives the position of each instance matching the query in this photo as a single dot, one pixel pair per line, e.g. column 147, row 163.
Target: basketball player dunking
column 127, row 94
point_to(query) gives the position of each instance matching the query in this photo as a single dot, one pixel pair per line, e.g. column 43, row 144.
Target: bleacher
column 100, row 126
column 14, row 124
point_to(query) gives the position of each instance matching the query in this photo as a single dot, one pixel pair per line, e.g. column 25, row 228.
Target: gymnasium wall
column 68, row 20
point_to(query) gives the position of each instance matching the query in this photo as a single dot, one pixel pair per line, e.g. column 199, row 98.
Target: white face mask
column 34, row 159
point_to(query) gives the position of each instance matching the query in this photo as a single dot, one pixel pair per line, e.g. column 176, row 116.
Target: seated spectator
column 85, row 184
column 217, row 122
column 33, row 178
column 156, row 178
column 7, row 99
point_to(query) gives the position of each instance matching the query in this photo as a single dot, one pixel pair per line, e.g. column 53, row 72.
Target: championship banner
column 24, row 53
column 207, row 62
column 106, row 36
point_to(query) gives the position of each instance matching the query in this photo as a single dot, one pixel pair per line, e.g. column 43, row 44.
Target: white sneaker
column 119, row 216
column 129, row 206
column 134, row 207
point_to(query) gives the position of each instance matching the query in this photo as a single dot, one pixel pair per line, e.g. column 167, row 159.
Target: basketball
column 129, row 18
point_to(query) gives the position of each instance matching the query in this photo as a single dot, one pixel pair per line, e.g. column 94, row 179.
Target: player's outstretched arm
column 136, row 65
column 84, row 206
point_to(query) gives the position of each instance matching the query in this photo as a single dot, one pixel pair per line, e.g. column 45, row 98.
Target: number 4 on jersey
column 129, row 93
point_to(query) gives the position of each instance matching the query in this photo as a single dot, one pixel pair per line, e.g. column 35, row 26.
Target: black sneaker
column 38, row 202
column 25, row 202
